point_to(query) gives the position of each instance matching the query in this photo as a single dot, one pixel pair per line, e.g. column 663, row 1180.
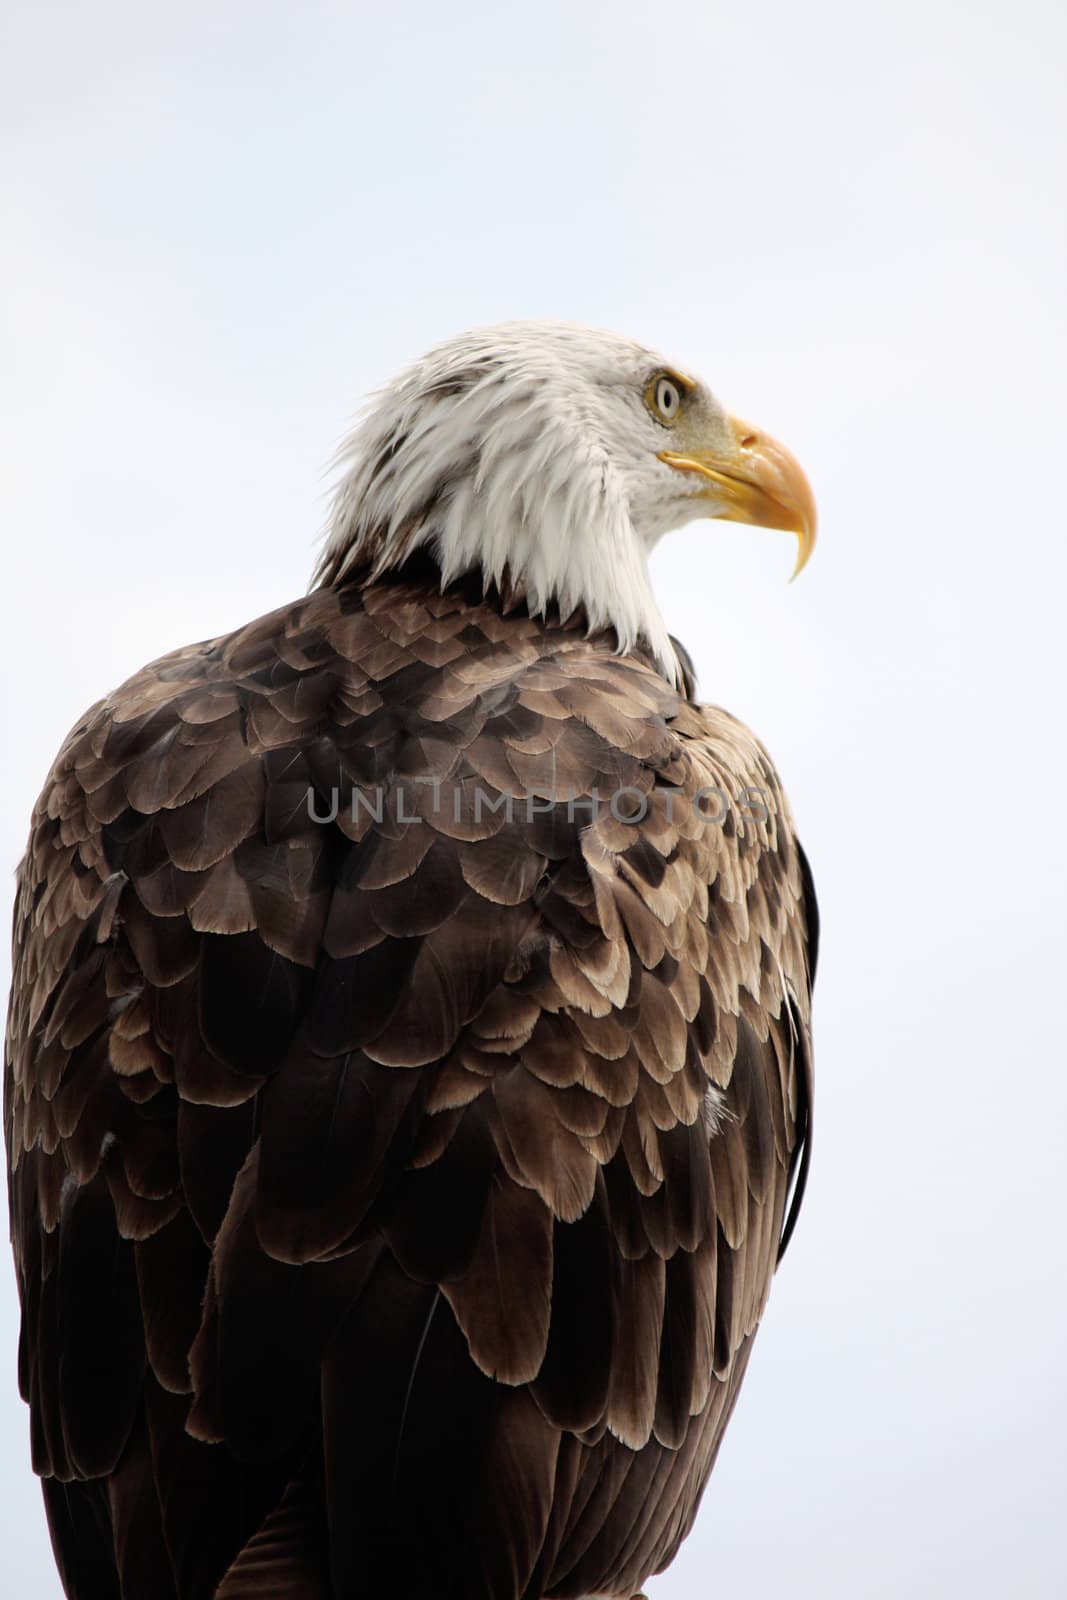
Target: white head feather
column 528, row 451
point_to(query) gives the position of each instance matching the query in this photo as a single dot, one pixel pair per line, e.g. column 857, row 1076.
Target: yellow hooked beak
column 759, row 481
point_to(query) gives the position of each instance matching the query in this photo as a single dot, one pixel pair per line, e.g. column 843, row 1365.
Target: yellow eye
column 665, row 399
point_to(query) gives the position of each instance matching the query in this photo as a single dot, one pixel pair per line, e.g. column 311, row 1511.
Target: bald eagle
column 408, row 1082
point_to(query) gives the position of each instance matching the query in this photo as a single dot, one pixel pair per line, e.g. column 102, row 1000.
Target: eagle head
column 551, row 458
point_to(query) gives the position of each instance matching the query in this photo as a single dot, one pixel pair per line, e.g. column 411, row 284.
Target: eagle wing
column 407, row 1068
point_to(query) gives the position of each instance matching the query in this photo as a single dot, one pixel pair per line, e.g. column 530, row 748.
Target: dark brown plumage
column 394, row 1201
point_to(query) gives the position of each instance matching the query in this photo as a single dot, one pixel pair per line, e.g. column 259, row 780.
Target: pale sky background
column 222, row 225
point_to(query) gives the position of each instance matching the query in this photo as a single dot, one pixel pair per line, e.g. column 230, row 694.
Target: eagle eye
column 664, row 399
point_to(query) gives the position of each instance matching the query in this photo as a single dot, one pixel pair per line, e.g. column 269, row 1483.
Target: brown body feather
column 394, row 1201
